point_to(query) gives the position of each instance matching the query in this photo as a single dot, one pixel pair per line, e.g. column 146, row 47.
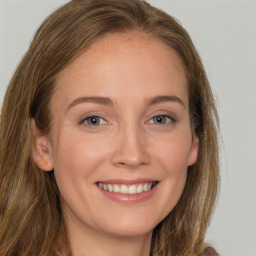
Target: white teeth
column 145, row 188
column 110, row 189
column 127, row 189
column 132, row 189
column 140, row 188
column 116, row 189
column 124, row 189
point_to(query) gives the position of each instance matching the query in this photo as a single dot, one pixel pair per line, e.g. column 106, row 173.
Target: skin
column 127, row 143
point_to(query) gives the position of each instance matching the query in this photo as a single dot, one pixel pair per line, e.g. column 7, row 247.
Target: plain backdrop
column 225, row 34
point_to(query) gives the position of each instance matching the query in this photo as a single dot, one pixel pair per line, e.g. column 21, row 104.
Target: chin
column 130, row 227
column 131, row 231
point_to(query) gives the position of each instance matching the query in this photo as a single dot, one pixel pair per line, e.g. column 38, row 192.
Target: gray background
column 225, row 34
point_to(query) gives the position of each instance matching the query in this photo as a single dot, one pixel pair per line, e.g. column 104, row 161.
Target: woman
column 108, row 137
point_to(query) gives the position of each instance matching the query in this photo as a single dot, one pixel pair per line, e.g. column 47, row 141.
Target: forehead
column 123, row 61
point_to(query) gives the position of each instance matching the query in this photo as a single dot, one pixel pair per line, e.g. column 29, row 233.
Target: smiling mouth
column 127, row 189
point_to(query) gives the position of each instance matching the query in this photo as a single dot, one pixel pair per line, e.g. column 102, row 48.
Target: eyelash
column 170, row 118
column 95, row 117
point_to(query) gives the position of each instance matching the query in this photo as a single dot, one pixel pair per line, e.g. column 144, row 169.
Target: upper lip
column 128, row 181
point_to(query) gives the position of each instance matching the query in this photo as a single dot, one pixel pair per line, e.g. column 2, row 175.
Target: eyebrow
column 107, row 101
column 97, row 100
column 164, row 98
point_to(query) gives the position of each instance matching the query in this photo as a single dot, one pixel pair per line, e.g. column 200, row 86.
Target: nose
column 131, row 149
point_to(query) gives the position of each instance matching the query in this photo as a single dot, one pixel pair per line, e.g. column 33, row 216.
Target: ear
column 193, row 151
column 41, row 146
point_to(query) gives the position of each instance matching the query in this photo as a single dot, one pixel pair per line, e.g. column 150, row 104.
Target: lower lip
column 130, row 199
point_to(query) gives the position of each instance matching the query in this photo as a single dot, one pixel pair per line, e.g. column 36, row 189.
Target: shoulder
column 209, row 251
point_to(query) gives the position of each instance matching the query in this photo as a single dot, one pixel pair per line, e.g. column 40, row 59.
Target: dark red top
column 209, row 251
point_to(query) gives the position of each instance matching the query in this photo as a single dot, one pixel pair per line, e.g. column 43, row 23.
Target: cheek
column 76, row 159
column 173, row 152
column 172, row 156
column 175, row 166
column 74, row 149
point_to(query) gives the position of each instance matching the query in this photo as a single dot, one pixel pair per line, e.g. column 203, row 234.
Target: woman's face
column 121, row 138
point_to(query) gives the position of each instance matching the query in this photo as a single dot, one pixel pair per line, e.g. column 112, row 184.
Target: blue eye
column 94, row 120
column 161, row 119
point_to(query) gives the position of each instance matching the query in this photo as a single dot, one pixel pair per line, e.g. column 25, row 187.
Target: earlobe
column 193, row 151
column 41, row 152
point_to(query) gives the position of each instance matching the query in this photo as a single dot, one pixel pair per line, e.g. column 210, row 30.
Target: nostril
column 133, row 162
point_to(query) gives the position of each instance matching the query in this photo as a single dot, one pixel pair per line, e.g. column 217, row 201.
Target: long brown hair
column 31, row 221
